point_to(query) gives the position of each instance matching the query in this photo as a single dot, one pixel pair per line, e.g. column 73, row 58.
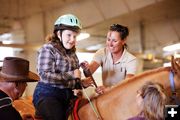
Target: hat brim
column 31, row 77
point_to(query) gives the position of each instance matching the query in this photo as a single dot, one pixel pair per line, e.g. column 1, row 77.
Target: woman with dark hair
column 58, row 68
column 116, row 62
column 151, row 100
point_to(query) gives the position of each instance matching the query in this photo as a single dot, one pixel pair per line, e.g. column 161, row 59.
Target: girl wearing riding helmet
column 58, row 68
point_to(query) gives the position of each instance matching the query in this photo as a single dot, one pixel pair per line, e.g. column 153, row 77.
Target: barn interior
column 153, row 24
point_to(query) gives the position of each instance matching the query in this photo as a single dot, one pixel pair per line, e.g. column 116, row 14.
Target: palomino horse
column 120, row 102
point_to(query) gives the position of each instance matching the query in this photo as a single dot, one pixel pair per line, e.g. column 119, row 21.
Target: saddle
column 73, row 109
column 76, row 105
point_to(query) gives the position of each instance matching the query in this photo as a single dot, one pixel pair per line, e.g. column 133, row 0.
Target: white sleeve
column 131, row 66
column 98, row 56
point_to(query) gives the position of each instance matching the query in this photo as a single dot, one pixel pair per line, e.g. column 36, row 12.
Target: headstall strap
column 173, row 89
column 171, row 78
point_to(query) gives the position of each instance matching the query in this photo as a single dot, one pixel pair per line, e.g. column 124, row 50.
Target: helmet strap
column 59, row 34
column 60, row 38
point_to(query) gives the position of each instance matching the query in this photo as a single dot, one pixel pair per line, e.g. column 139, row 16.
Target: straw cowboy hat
column 16, row 69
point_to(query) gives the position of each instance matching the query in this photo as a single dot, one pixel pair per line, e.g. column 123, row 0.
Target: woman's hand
column 85, row 65
column 101, row 89
column 87, row 82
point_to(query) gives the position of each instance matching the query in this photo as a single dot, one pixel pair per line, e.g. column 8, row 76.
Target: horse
column 119, row 103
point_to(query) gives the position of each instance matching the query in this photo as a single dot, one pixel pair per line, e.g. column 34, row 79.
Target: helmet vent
column 71, row 20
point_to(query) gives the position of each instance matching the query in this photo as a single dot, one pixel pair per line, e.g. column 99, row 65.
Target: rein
column 173, row 89
column 94, row 108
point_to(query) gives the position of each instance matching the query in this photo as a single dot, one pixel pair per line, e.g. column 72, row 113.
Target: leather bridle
column 173, row 88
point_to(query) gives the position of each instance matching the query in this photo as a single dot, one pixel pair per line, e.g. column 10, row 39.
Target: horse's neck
column 131, row 85
column 123, row 96
column 120, row 102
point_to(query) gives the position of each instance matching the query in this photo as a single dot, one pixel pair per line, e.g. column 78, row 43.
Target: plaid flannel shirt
column 56, row 66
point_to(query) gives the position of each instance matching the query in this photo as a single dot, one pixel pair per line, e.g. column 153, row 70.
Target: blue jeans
column 52, row 103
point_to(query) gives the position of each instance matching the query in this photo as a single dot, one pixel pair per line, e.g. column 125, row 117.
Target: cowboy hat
column 16, row 69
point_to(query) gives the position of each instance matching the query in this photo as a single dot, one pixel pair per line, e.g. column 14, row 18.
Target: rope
column 92, row 106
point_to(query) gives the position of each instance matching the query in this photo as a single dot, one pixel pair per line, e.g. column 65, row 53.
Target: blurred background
column 153, row 24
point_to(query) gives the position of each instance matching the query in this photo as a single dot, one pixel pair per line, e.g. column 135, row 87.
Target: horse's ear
column 173, row 63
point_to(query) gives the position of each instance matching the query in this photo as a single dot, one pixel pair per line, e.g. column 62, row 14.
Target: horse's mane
column 146, row 73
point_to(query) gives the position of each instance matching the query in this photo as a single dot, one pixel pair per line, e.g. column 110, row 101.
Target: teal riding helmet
column 69, row 20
